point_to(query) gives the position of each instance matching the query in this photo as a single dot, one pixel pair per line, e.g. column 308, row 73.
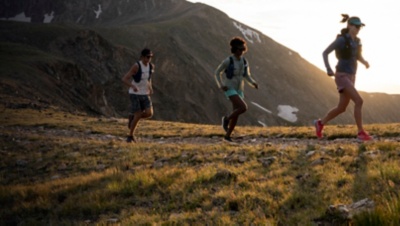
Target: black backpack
column 231, row 68
column 138, row 76
column 346, row 52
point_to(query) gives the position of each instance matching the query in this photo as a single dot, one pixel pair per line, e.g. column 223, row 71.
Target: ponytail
column 350, row 21
column 345, row 18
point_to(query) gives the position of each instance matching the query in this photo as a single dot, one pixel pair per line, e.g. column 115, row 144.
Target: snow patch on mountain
column 288, row 112
column 249, row 34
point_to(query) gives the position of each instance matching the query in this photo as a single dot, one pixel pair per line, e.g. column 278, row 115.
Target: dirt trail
column 21, row 132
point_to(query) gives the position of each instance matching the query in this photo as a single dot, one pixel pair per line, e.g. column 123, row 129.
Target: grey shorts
column 140, row 102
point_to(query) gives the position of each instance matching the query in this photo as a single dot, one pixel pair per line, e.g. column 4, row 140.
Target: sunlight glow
column 309, row 26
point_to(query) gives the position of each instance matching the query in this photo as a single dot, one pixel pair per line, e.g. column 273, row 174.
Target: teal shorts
column 232, row 92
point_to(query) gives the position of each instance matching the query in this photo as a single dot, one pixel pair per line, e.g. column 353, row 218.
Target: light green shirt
column 237, row 81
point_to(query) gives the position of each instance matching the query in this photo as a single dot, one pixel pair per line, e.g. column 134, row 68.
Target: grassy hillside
column 59, row 168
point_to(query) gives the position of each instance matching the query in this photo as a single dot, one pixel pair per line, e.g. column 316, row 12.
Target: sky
column 309, row 26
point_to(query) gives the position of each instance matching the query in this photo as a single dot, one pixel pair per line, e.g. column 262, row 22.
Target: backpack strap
column 347, row 44
column 138, row 76
column 359, row 48
column 245, row 66
column 230, row 69
column 346, row 51
column 151, row 71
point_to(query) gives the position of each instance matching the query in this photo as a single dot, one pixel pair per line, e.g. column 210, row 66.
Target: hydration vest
column 138, row 76
column 346, row 52
column 231, row 68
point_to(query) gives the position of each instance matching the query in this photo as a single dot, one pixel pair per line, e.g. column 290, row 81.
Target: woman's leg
column 353, row 94
column 239, row 107
column 344, row 100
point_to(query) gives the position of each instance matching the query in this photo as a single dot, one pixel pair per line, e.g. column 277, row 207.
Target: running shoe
column 225, row 123
column 131, row 139
column 363, row 136
column 228, row 139
column 318, row 128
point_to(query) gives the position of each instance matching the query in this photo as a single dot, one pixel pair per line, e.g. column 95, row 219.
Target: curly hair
column 237, row 42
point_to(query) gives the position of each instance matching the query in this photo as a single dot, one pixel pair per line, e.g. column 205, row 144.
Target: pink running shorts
column 344, row 80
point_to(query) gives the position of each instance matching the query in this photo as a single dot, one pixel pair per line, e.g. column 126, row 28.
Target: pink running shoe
column 363, row 136
column 318, row 128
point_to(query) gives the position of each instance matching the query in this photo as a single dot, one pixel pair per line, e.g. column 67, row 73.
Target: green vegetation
column 59, row 168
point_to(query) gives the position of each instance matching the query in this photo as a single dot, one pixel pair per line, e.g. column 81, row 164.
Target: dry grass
column 59, row 168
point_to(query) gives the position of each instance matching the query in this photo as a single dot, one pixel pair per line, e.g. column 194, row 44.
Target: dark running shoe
column 225, row 123
column 131, row 139
column 229, row 140
column 131, row 116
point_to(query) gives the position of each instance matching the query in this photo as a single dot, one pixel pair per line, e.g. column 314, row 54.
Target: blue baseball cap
column 355, row 21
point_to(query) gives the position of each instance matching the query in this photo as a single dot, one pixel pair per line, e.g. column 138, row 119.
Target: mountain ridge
column 189, row 40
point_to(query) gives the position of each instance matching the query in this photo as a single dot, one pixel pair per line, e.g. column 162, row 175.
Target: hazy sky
column 309, row 26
